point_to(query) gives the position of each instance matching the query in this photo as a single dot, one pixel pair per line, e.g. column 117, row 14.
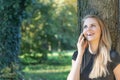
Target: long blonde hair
column 103, row 56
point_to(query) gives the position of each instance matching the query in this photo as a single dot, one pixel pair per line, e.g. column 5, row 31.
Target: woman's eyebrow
column 93, row 24
column 90, row 24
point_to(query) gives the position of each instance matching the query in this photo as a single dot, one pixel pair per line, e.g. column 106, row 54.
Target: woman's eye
column 93, row 26
column 85, row 26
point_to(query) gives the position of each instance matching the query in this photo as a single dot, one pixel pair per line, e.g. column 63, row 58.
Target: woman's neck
column 93, row 47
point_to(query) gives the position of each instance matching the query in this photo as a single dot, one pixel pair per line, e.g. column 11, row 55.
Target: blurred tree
column 11, row 12
column 108, row 10
column 35, row 30
column 49, row 27
column 65, row 25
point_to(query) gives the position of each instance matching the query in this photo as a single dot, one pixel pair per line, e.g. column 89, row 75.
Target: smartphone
column 84, row 37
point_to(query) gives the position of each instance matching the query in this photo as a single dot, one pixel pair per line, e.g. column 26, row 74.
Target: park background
column 49, row 39
column 38, row 37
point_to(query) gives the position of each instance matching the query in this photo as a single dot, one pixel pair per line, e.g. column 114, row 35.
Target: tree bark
column 108, row 10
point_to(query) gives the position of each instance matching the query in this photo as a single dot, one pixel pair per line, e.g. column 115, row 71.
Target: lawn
column 46, row 72
column 57, row 69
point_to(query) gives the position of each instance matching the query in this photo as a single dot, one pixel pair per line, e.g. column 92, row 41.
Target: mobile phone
column 84, row 37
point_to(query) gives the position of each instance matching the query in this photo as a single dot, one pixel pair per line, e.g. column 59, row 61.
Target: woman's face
column 91, row 29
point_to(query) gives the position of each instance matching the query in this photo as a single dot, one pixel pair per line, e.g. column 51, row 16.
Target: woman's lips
column 90, row 34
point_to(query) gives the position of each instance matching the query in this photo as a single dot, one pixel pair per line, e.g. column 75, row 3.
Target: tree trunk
column 108, row 10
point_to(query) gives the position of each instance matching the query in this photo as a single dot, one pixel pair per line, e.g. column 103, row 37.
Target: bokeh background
column 49, row 34
column 38, row 37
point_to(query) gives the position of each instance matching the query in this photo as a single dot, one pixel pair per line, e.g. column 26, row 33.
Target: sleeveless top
column 87, row 64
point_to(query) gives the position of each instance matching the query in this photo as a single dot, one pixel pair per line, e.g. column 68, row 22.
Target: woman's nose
column 88, row 28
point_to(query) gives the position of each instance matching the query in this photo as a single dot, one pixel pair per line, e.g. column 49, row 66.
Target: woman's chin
column 89, row 40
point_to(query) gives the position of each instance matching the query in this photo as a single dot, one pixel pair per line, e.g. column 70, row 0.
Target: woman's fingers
column 80, row 37
column 82, row 43
column 86, row 43
column 80, row 40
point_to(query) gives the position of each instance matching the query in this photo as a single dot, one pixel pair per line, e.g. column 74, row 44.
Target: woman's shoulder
column 114, row 54
column 74, row 56
column 115, row 57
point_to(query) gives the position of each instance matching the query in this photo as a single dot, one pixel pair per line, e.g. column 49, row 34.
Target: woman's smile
column 90, row 34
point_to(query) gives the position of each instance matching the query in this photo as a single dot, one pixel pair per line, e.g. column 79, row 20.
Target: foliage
column 11, row 16
column 49, row 27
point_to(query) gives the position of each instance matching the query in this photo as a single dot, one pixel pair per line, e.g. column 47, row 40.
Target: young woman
column 94, row 58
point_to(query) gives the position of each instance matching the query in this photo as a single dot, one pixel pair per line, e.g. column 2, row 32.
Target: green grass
column 56, row 68
column 46, row 72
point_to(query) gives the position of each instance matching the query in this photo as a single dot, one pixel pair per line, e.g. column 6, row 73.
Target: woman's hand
column 76, row 65
column 81, row 44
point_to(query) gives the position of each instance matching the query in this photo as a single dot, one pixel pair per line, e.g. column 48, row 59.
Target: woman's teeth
column 90, row 34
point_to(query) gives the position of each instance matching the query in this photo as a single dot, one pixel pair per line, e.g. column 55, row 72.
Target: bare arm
column 117, row 72
column 75, row 70
column 76, row 65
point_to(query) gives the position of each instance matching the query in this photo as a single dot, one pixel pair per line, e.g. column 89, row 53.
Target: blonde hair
column 103, row 56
